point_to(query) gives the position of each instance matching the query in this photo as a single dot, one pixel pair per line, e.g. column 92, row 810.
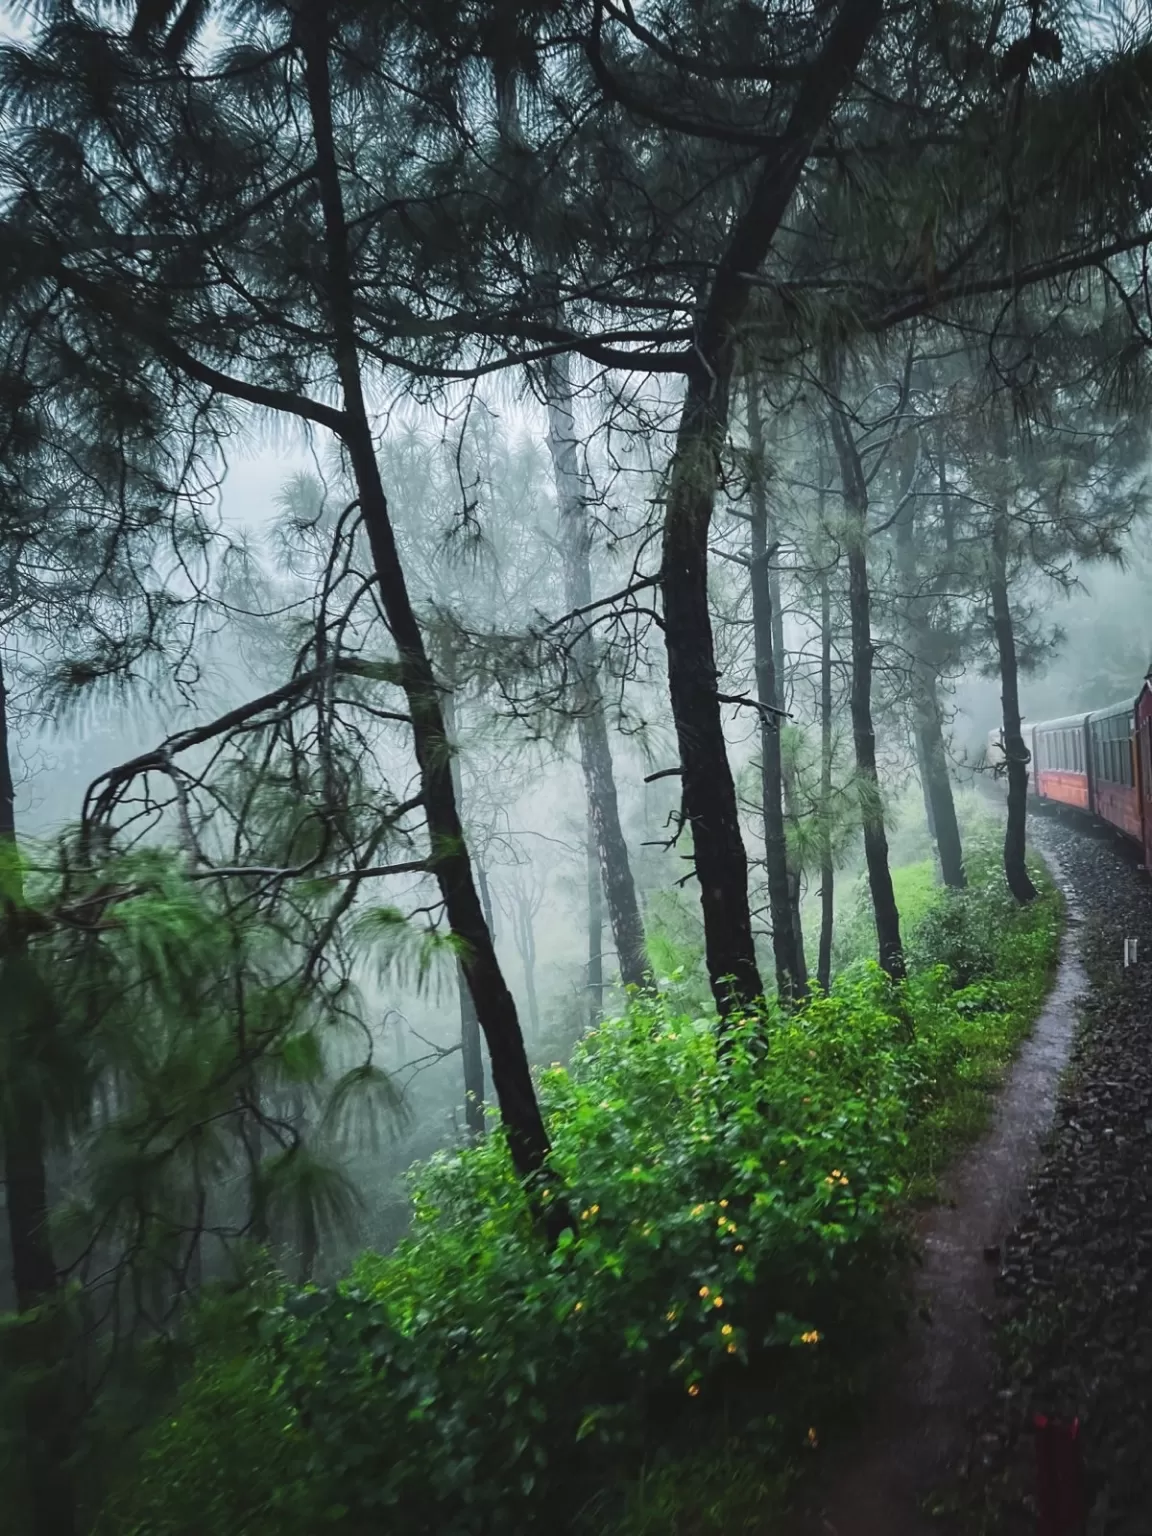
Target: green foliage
column 674, row 935
column 177, row 1047
column 916, row 888
column 734, row 1263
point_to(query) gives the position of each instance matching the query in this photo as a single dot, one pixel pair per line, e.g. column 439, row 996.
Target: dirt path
column 918, row 1434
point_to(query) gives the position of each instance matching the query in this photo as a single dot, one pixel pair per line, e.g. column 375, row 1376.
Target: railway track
column 1076, row 1272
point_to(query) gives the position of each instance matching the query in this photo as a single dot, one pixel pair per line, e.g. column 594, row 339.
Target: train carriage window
column 1124, row 751
column 1112, row 750
column 1146, row 757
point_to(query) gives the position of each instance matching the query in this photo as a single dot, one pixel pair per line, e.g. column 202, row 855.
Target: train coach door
column 1144, row 765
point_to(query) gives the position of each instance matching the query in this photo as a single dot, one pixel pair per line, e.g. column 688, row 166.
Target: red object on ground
column 1059, row 1478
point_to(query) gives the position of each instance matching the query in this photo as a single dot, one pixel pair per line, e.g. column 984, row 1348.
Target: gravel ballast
column 1076, row 1271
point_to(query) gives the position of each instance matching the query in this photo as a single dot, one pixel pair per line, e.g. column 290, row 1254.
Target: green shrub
column 733, row 1261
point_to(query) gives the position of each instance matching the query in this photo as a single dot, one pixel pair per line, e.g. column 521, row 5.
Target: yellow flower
column 783, row 1162
column 731, row 1349
column 579, row 1307
column 704, row 1291
column 584, row 1215
column 723, row 1204
column 829, row 1182
column 594, row 1209
column 693, row 1390
column 812, row 1440
column 671, row 1316
column 835, row 1173
column 697, row 1210
column 717, row 1301
column 843, row 1181
column 739, row 1248
column 810, row 1338
column 726, row 1330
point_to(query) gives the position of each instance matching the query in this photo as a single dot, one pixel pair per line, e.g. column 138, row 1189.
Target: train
column 1099, row 762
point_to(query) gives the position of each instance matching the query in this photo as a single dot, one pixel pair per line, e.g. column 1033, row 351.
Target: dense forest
column 517, row 522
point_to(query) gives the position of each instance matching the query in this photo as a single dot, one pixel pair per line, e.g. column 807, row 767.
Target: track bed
column 1076, row 1277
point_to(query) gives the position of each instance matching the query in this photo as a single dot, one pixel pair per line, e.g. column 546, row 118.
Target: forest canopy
column 662, row 414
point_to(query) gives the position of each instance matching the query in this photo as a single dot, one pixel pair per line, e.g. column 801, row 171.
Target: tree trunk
column 931, row 752
column 884, row 907
column 486, row 899
column 791, row 809
column 592, row 726
column 827, row 866
column 524, row 928
column 791, row 982
column 1016, row 753
column 709, row 795
column 471, row 1055
column 46, row 1417
column 938, row 784
column 449, row 860
column 595, row 928
column 922, row 774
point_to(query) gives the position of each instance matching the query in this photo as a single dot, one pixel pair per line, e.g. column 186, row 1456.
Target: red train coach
column 1144, row 763
column 1114, row 796
column 1100, row 762
column 1060, row 760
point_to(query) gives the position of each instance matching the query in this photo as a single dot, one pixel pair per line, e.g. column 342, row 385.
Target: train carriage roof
column 1128, row 707
column 1065, row 723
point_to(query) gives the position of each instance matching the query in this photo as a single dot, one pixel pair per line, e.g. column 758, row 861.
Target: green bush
column 733, row 1260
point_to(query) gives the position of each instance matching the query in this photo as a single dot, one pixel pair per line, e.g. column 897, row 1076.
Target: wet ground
column 895, row 1476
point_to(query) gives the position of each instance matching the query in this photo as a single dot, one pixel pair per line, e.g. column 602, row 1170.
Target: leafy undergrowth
column 734, row 1264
